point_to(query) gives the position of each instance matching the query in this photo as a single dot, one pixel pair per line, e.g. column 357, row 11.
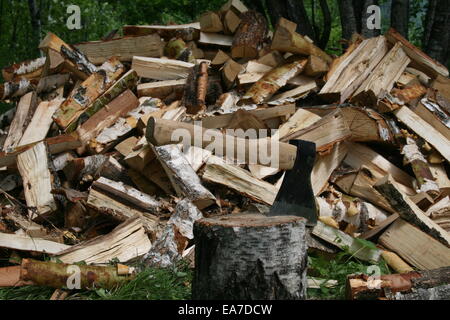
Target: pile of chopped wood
column 89, row 171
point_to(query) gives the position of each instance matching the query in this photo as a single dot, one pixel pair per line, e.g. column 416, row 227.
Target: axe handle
column 160, row 132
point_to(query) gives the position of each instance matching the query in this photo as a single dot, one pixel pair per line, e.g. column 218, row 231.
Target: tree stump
column 250, row 257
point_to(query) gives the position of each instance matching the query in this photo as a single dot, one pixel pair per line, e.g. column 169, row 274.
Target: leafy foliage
column 338, row 269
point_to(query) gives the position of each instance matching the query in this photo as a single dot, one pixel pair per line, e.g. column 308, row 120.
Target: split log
column 121, row 128
column 25, row 108
column 440, row 213
column 169, row 247
column 127, row 81
column 353, row 69
column 10, row 277
column 196, row 157
column 254, row 71
column 161, row 89
column 74, row 60
column 105, row 117
column 343, row 240
column 316, row 67
column 383, row 77
column 324, row 167
column 414, row 285
column 245, row 120
column 215, row 39
column 274, row 267
column 121, row 210
column 442, row 85
column 230, row 72
column 296, row 93
column 367, row 125
column 285, row 39
column 126, row 242
column 37, row 179
column 425, row 180
column 240, row 180
column 32, row 244
column 177, row 49
column 52, row 82
column 123, row 48
column 140, row 158
column 424, row 130
column 272, row 81
column 325, row 133
column 119, row 190
column 220, row 58
column 395, row 262
column 161, row 69
column 14, row 89
column 419, row 59
column 360, row 185
column 78, row 168
column 87, row 92
column 183, row 178
column 210, row 22
column 31, row 228
column 436, row 116
column 187, row 32
column 236, row 5
column 359, row 155
column 409, row 211
column 56, row 145
column 222, row 121
column 113, row 170
column 60, row 275
column 415, row 246
column 249, row 36
column 41, row 122
column 230, row 21
column 30, row 69
column 272, row 59
column 300, row 120
column 161, row 132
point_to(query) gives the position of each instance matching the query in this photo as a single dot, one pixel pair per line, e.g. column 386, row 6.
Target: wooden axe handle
column 161, row 132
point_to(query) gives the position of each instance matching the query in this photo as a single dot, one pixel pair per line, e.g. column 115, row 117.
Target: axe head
column 296, row 196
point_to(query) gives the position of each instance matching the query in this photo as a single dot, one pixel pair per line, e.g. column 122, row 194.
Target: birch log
column 250, row 257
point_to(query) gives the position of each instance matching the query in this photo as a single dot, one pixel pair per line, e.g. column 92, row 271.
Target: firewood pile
column 90, row 169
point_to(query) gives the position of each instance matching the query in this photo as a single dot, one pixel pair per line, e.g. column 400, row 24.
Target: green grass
column 338, row 269
column 150, row 284
column 175, row 283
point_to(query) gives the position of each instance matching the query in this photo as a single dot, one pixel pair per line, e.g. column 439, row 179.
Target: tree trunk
column 358, row 7
column 348, row 18
column 35, row 16
column 327, row 20
column 428, row 23
column 439, row 37
column 294, row 11
column 250, row 257
column 400, row 16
